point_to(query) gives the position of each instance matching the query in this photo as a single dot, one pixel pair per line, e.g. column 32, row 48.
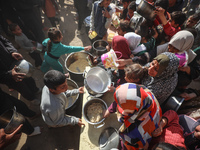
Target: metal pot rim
column 84, row 115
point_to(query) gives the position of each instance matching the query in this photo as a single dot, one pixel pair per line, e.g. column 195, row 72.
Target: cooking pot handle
column 99, row 126
column 85, row 72
column 90, row 97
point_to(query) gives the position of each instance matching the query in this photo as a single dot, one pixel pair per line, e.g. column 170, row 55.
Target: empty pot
column 99, row 47
column 11, row 120
column 97, row 81
column 146, row 10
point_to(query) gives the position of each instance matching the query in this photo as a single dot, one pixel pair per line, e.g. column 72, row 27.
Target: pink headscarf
column 120, row 44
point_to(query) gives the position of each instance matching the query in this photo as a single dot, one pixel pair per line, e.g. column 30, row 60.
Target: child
column 50, row 9
column 192, row 20
column 172, row 26
column 131, row 9
column 25, row 43
column 100, row 19
column 125, row 8
column 54, row 99
column 134, row 73
column 55, row 49
column 123, row 27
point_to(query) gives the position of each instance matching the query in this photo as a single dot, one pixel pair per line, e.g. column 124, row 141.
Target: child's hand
column 106, row 114
column 106, row 14
column 33, row 42
column 80, row 123
column 156, row 33
column 185, row 69
column 188, row 96
column 160, row 11
column 81, row 89
column 111, row 88
column 108, row 48
column 34, row 48
column 87, row 48
column 89, row 32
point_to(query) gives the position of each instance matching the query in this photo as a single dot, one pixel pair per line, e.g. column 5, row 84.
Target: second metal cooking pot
column 146, row 10
column 85, row 108
column 72, row 100
column 11, row 120
column 97, row 81
column 99, row 47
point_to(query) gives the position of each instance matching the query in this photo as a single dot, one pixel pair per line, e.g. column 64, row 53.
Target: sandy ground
column 65, row 138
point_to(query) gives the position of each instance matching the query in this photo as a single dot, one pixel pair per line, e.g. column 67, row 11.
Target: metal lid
column 108, row 139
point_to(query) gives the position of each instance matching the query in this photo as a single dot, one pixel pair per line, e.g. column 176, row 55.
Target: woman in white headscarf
column 138, row 50
column 180, row 42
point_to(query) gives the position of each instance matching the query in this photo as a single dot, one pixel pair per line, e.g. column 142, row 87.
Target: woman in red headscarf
column 120, row 44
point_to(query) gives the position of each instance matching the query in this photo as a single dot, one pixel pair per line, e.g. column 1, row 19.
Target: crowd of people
column 159, row 59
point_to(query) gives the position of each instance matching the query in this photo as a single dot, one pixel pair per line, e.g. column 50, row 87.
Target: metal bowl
column 24, row 66
column 97, row 81
column 87, row 104
column 146, row 10
column 72, row 100
column 11, row 120
column 99, row 46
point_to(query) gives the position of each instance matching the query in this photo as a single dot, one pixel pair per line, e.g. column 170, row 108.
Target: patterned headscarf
column 120, row 44
column 163, row 85
column 141, row 114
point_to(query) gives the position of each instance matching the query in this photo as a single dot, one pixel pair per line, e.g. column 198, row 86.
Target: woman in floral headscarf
column 140, row 115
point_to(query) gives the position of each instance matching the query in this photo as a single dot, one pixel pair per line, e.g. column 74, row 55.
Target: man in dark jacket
column 8, row 75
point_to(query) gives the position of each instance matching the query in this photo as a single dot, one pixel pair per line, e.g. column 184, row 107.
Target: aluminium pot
column 72, row 100
column 71, row 58
column 24, row 66
column 85, row 107
column 11, row 120
column 97, row 81
column 99, row 47
column 146, row 10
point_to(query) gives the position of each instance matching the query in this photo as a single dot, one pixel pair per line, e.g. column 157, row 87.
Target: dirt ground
column 65, row 138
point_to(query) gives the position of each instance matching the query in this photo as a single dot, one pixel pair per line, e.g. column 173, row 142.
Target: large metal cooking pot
column 76, row 75
column 72, row 100
column 99, row 47
column 11, row 120
column 24, row 66
column 97, row 81
column 85, row 108
column 146, row 10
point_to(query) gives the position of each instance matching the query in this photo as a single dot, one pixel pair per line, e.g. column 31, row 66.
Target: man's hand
column 81, row 89
column 17, row 76
column 80, row 123
column 6, row 139
column 17, row 56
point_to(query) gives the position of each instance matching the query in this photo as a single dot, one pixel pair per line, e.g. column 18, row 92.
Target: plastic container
column 109, row 59
column 183, row 59
column 92, row 35
column 115, row 20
